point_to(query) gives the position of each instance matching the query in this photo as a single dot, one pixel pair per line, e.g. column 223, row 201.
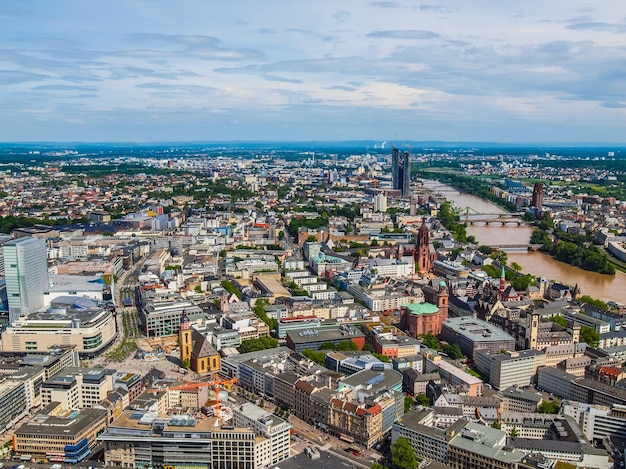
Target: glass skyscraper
column 26, row 275
column 401, row 171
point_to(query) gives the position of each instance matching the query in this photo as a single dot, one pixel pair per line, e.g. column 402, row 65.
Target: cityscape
column 325, row 235
column 265, row 304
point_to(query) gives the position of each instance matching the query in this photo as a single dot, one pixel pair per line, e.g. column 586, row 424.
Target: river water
column 602, row 287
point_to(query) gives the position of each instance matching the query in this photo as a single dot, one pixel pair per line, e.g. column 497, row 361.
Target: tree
column 316, row 356
column 560, row 320
column 516, row 267
column 254, row 345
column 514, row 433
column 328, row 346
column 485, row 249
column 408, row 402
column 281, row 235
column 381, row 357
column 430, row 341
column 549, row 407
column 347, row 345
column 496, row 425
column 422, row 399
column 453, row 351
column 403, row 455
column 589, row 336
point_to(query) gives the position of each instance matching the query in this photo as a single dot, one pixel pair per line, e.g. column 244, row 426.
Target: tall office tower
column 401, row 171
column 26, row 274
column 538, row 195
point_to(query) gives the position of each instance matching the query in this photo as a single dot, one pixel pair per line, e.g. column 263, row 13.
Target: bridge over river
column 502, row 219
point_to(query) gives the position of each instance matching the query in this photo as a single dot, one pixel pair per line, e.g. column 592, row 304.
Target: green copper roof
column 421, row 308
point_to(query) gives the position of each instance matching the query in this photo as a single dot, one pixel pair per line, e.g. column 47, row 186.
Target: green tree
column 549, row 407
column 453, row 351
column 403, row 455
column 381, row 357
column 185, row 364
column 377, row 466
column 593, row 302
column 430, row 341
column 423, row 399
column 514, row 433
column 316, row 356
column 560, row 320
column 485, row 249
column 347, row 345
column 254, row 345
column 328, row 346
column 496, row 425
column 408, row 402
column 589, row 336
column 516, row 267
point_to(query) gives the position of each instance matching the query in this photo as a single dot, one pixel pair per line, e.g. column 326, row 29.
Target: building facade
column 26, row 274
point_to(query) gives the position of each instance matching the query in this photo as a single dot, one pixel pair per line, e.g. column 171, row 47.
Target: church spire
column 502, row 280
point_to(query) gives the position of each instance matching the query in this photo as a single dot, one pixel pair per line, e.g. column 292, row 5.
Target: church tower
column 502, row 280
column 442, row 301
column 422, row 250
column 532, row 331
column 184, row 339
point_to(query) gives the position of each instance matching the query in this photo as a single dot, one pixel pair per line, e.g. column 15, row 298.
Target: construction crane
column 216, row 383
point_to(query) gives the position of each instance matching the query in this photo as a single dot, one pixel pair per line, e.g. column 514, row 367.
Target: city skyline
column 383, row 70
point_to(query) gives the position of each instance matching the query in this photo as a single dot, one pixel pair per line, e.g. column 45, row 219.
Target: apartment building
column 265, row 425
column 77, row 388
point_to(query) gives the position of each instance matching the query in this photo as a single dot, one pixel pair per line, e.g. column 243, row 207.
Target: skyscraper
column 26, row 274
column 538, row 195
column 401, row 171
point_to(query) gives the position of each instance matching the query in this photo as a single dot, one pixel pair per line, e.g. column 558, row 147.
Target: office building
column 26, row 274
column 142, row 439
column 473, row 334
column 60, row 435
column 401, row 171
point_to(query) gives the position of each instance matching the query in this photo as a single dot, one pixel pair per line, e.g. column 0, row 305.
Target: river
column 602, row 287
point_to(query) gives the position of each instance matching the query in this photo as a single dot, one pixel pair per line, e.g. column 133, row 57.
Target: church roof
column 421, row 308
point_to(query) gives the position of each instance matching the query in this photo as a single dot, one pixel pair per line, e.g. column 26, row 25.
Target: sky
column 217, row 70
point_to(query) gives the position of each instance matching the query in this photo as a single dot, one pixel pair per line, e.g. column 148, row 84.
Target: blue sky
column 210, row 70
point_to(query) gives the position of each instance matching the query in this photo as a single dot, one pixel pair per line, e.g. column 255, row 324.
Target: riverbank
column 598, row 286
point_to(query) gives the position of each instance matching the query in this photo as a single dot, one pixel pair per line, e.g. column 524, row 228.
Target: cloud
column 592, row 26
column 404, row 34
column 341, row 88
column 438, row 8
column 65, row 88
column 385, row 4
column 11, row 77
column 281, row 79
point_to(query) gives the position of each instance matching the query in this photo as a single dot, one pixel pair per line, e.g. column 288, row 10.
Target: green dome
column 421, row 308
column 442, row 283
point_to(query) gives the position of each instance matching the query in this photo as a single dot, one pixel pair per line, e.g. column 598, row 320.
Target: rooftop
column 476, row 330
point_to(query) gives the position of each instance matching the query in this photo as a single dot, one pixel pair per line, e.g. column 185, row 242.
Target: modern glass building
column 26, row 274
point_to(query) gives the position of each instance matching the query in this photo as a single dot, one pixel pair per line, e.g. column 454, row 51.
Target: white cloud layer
column 156, row 70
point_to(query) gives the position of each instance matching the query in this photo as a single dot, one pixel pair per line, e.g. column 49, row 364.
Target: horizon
column 157, row 72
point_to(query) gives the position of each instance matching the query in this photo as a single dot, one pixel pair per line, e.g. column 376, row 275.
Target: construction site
column 209, row 397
